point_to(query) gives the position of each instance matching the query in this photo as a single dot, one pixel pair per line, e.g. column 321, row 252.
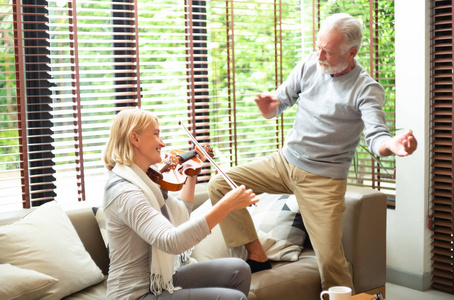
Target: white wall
column 408, row 239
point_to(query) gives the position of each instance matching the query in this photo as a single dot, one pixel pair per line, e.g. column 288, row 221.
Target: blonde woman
column 149, row 231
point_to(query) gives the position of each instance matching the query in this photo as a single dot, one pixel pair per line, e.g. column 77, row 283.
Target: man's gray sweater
column 331, row 115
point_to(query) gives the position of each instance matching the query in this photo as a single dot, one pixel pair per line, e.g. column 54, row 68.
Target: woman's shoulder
column 116, row 182
column 116, row 186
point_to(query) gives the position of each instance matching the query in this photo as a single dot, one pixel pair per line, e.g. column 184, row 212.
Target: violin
column 171, row 173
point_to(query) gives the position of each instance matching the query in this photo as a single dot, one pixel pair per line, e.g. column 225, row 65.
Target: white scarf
column 163, row 265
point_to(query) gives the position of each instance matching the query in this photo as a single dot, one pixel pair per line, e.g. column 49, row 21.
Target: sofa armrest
column 364, row 236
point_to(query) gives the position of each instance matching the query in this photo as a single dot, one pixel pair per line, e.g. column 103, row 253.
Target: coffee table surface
column 362, row 296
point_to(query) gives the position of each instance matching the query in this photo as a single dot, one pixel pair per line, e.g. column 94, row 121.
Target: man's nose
column 321, row 54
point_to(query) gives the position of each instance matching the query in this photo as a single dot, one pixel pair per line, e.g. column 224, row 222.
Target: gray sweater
column 331, row 115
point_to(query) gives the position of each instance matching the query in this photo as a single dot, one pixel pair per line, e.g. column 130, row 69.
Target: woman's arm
column 235, row 199
column 188, row 190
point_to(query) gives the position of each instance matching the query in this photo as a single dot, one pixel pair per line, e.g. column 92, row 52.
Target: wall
column 408, row 239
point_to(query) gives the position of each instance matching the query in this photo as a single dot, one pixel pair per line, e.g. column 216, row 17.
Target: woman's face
column 147, row 146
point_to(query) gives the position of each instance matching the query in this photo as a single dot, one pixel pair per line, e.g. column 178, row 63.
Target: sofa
column 292, row 277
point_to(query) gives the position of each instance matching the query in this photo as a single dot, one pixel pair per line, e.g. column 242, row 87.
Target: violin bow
column 232, row 184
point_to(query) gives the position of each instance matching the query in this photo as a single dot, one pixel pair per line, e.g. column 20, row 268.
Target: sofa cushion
column 45, row 241
column 97, row 291
column 288, row 280
column 279, row 227
column 23, row 284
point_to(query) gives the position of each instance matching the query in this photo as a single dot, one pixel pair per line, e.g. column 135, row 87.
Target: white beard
column 325, row 68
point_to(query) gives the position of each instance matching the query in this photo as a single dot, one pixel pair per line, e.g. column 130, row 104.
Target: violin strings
column 232, row 184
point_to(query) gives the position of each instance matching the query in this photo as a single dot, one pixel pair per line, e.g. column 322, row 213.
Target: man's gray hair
column 349, row 26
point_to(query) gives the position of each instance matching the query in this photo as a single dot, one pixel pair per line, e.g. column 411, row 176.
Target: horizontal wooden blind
column 26, row 165
column 10, row 112
column 199, row 62
column 174, row 66
column 442, row 217
column 95, row 73
column 377, row 57
column 254, row 46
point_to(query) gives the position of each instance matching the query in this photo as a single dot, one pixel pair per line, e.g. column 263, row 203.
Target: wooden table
column 362, row 296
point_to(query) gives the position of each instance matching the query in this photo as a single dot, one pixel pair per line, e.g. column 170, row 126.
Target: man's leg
column 322, row 203
column 267, row 175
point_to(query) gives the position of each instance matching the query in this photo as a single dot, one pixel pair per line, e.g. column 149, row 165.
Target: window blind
column 377, row 56
column 10, row 112
column 442, row 215
column 199, row 62
column 254, row 45
column 26, row 165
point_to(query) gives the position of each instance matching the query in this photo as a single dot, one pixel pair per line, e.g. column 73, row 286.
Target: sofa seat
column 94, row 292
column 288, row 276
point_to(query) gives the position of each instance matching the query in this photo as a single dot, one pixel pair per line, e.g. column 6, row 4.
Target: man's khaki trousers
column 320, row 199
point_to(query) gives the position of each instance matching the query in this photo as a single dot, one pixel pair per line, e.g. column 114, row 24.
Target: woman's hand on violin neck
column 235, row 199
column 201, row 156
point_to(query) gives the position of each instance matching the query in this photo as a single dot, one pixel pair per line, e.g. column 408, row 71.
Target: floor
column 396, row 292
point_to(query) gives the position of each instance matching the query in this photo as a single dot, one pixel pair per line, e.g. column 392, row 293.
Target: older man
column 337, row 99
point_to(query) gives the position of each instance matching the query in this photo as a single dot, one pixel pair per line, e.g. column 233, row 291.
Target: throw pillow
column 23, row 284
column 277, row 217
column 45, row 241
column 279, row 228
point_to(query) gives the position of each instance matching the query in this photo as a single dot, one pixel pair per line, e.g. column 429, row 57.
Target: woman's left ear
column 134, row 138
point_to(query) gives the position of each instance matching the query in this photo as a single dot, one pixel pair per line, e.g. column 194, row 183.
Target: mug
column 338, row 293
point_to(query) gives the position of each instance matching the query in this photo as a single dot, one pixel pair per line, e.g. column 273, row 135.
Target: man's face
column 331, row 60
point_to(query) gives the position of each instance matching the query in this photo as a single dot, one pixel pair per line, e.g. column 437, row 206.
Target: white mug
column 338, row 293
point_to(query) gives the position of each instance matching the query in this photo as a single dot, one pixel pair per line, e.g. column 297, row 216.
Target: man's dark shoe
column 258, row 266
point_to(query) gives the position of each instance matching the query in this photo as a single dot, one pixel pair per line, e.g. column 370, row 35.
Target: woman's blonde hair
column 119, row 148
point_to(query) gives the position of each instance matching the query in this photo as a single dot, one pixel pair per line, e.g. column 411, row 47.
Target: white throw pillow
column 45, row 241
column 279, row 228
column 22, row 284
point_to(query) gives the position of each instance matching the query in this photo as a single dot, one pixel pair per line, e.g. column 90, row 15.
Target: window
column 66, row 70
column 376, row 56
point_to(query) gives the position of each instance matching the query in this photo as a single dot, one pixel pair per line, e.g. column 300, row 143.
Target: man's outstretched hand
column 401, row 145
column 267, row 104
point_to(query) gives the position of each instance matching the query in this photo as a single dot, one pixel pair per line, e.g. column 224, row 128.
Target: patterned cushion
column 279, row 226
